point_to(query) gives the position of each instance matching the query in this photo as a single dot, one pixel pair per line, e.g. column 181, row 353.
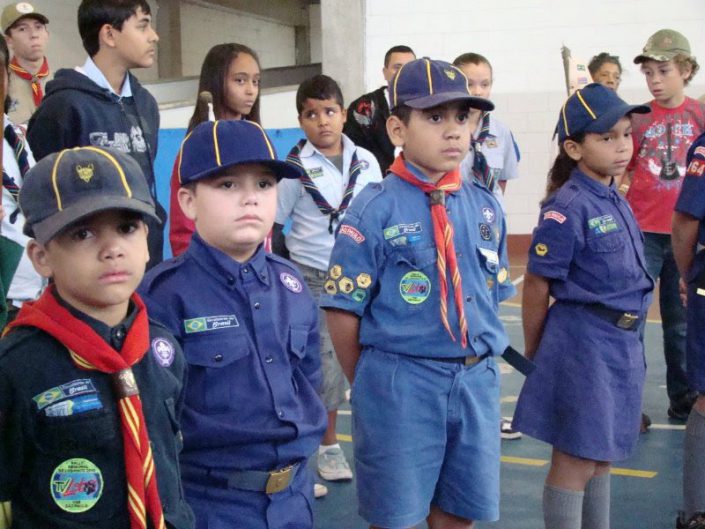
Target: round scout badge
column 76, row 485
column 415, row 287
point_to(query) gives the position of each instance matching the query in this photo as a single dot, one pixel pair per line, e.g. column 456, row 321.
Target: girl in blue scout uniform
column 584, row 397
column 249, row 330
column 688, row 245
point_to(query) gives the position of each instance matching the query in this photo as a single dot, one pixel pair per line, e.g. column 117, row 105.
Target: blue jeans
column 662, row 267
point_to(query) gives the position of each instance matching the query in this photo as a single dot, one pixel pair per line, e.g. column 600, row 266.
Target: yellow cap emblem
column 450, row 74
column 85, row 172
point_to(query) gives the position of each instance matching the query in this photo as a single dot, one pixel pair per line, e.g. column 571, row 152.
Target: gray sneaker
column 333, row 466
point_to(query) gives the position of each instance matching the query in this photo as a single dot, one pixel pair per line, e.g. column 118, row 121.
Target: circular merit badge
column 76, row 485
column 415, row 287
column 163, row 351
column 290, row 282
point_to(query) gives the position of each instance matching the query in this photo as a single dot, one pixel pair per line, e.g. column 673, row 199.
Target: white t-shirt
column 309, row 241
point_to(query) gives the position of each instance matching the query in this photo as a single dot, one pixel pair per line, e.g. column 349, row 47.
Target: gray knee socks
column 562, row 508
column 596, row 503
column 694, row 465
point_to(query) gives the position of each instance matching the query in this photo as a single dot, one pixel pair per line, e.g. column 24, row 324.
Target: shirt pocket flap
column 417, row 258
column 298, row 338
column 606, row 243
column 217, row 350
column 489, row 259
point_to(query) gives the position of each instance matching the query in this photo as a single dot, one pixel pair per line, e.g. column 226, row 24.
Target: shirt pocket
column 88, row 432
column 409, row 277
column 607, row 257
column 489, row 264
column 213, row 361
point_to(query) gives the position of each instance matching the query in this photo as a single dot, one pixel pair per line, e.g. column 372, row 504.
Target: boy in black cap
column 90, row 390
column 413, row 315
column 249, row 329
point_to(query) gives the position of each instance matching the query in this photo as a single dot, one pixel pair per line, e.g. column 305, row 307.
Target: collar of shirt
column 593, row 185
column 227, row 269
column 309, row 149
column 90, row 70
column 115, row 336
column 493, row 128
column 417, row 172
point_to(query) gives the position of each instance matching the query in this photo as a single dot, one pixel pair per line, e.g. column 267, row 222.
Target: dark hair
column 471, row 58
column 5, row 63
column 603, row 58
column 214, row 74
column 318, row 87
column 396, row 49
column 94, row 14
column 562, row 167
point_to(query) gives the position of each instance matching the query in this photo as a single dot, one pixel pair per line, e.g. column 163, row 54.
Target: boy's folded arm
column 344, row 328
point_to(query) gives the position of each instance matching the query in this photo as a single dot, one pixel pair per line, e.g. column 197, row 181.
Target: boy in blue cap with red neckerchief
column 416, row 274
column 249, row 329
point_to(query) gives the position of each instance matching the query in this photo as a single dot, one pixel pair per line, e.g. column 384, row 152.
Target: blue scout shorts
column 221, row 508
column 425, row 432
column 584, row 397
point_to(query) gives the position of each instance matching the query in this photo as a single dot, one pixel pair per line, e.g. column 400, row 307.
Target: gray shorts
column 334, row 383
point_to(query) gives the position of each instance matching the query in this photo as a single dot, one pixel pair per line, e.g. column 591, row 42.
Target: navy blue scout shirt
column 692, row 197
column 586, row 241
column 383, row 269
column 61, row 454
column 250, row 335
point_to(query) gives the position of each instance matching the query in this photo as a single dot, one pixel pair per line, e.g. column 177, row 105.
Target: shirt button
column 257, row 305
column 245, row 270
column 269, row 360
column 468, row 299
column 119, row 334
column 458, row 254
column 280, row 413
column 231, row 280
column 218, row 358
column 474, row 340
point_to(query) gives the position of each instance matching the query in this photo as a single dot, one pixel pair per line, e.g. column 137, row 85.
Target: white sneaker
column 333, row 466
column 319, row 490
column 506, row 430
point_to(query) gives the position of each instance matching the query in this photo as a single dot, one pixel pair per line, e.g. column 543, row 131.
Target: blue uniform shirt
column 588, row 243
column 383, row 269
column 250, row 336
column 692, row 197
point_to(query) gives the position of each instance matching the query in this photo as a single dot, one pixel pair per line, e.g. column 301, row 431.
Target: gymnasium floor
column 646, row 489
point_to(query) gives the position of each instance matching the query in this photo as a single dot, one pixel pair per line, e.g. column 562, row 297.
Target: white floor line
column 518, row 280
column 667, row 427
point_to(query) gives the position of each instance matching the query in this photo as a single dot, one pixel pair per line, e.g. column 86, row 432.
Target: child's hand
column 683, row 291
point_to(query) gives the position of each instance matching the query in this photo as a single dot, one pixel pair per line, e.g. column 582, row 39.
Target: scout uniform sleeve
column 511, row 158
column 505, row 287
column 355, row 260
column 310, row 364
column 552, row 247
column 692, row 197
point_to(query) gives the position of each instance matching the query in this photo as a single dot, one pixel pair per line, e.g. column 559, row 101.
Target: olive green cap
column 663, row 46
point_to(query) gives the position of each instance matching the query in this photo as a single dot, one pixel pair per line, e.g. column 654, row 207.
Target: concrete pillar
column 169, row 28
column 343, row 44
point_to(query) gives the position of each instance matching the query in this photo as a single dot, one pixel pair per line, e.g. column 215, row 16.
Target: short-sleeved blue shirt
column 692, row 197
column 250, row 336
column 590, row 247
column 383, row 269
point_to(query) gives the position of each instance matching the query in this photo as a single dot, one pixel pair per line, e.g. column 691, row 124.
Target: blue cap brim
column 435, row 100
column 607, row 120
column 279, row 168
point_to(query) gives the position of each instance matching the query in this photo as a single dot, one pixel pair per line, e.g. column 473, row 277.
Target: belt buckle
column 471, row 360
column 627, row 320
column 279, row 479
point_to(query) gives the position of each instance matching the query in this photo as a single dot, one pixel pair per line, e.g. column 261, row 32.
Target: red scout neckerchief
column 443, row 235
column 89, row 351
column 35, row 79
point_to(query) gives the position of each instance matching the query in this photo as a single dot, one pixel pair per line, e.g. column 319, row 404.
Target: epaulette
column 565, row 195
column 17, row 336
column 283, row 261
column 161, row 271
column 367, row 196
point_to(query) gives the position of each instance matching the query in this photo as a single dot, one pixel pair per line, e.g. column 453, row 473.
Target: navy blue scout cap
column 69, row 185
column 426, row 83
column 215, row 145
column 594, row 108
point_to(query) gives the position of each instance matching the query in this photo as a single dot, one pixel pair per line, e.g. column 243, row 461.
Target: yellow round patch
column 330, row 287
column 541, row 249
column 502, row 275
column 363, row 280
column 335, row 271
column 346, row 285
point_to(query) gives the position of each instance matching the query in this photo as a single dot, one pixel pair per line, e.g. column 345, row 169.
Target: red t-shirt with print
column 661, row 142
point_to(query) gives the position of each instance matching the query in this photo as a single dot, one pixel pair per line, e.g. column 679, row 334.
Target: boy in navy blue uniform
column 90, row 390
column 412, row 310
column 688, row 244
column 249, row 329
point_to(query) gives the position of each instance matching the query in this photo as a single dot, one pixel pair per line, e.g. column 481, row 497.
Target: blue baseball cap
column 216, row 145
column 67, row 186
column 594, row 108
column 426, row 83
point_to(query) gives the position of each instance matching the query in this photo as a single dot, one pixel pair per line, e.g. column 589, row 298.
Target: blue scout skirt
column 584, row 397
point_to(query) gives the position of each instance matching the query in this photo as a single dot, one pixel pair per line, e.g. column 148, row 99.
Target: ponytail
column 562, row 167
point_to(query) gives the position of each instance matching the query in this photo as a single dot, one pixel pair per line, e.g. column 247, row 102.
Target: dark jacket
column 37, row 445
column 366, row 126
column 76, row 112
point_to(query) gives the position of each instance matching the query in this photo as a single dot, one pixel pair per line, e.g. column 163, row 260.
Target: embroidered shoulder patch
column 353, row 233
column 554, row 215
